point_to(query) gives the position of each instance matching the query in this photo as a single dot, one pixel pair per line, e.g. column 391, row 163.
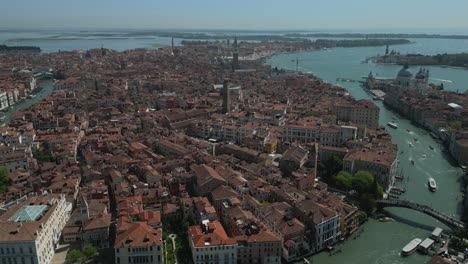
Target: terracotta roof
column 139, row 234
column 213, row 236
column 103, row 222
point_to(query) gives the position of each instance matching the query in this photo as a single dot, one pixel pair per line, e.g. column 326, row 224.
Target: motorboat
column 411, row 247
column 392, row 124
column 415, row 139
column 410, row 144
column 432, row 185
column 424, row 156
column 385, row 219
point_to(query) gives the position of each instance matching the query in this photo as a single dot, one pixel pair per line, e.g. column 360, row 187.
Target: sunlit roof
column 28, row 213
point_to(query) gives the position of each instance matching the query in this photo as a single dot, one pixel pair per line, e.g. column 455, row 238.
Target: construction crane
column 297, row 60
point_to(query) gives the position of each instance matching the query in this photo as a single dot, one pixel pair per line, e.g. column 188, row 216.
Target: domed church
column 405, row 80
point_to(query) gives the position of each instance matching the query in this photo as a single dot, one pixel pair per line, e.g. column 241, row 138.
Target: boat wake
column 441, row 80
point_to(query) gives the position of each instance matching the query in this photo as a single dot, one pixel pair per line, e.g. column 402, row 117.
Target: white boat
column 392, row 124
column 432, row 185
column 411, row 247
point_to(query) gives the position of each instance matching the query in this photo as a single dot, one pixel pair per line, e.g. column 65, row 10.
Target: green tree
column 330, row 167
column 367, row 203
column 3, row 179
column 42, row 155
column 362, row 182
column 376, row 189
column 344, row 180
column 455, row 124
column 89, row 251
column 75, row 256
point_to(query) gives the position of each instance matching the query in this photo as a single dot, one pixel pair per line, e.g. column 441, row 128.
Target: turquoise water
column 382, row 242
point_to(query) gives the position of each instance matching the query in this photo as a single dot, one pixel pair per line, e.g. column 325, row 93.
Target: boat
column 415, row 139
column 411, row 247
column 392, row 124
column 410, row 144
column 424, row 156
column 432, row 185
column 385, row 219
column 306, row 261
column 431, row 147
column 412, row 162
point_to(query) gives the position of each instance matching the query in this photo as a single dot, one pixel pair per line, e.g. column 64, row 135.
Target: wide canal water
column 381, row 242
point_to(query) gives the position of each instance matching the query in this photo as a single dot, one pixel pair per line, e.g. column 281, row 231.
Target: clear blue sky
column 232, row 14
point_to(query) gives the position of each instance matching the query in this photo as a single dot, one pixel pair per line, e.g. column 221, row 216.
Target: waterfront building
column 209, row 243
column 361, row 112
column 323, row 223
column 404, row 81
column 31, row 229
column 381, row 160
column 459, row 147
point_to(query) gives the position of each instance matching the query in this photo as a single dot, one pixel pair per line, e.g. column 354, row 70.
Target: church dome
column 420, row 76
column 404, row 73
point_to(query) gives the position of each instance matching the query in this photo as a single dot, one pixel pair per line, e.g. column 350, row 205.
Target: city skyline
column 239, row 15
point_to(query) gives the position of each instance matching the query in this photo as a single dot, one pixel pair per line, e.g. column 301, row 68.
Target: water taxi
column 432, row 185
column 411, row 247
column 392, row 124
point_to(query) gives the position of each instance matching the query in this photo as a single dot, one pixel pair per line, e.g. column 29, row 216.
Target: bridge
column 447, row 220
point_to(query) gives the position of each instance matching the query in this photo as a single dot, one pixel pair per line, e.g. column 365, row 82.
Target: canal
column 381, row 242
column 47, row 88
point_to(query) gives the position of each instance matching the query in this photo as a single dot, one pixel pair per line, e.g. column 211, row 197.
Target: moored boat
column 432, row 185
column 392, row 124
column 411, row 247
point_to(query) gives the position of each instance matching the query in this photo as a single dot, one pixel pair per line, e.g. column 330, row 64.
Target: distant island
column 19, row 49
column 325, row 43
column 374, row 35
column 451, row 60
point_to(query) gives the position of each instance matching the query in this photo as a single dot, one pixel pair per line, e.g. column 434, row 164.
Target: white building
column 31, row 229
column 138, row 242
column 3, row 100
column 210, row 244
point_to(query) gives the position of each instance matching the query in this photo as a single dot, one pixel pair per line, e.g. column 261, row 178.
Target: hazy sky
column 235, row 14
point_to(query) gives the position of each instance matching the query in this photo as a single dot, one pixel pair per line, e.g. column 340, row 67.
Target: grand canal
column 381, row 242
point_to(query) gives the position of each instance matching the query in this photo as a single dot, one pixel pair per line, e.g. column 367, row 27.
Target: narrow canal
column 381, row 242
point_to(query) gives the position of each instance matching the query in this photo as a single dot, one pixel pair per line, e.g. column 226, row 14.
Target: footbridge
column 449, row 221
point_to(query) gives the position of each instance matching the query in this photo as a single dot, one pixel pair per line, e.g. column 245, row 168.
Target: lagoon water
column 376, row 242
